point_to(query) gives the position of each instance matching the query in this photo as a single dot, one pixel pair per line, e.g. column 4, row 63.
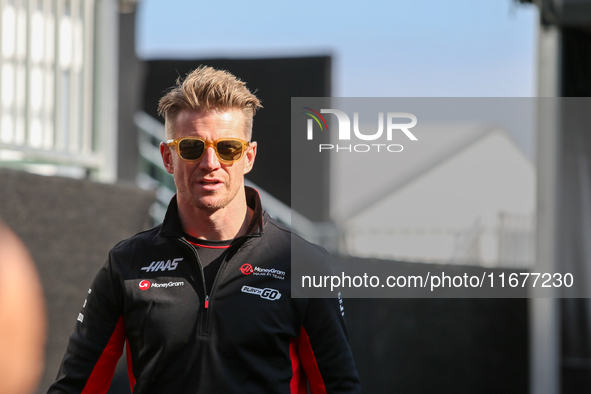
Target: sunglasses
column 228, row 150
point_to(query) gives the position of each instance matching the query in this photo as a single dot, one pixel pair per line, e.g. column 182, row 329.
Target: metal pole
column 544, row 312
column 105, row 88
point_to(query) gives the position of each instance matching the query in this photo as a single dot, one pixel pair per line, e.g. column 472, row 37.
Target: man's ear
column 250, row 155
column 166, row 157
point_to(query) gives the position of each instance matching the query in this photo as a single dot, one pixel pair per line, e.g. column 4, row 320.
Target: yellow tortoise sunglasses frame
column 228, row 150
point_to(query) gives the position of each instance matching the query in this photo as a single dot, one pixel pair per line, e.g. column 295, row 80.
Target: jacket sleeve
column 324, row 351
column 323, row 348
column 96, row 344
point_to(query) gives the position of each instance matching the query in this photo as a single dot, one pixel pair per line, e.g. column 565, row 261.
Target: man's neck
column 226, row 223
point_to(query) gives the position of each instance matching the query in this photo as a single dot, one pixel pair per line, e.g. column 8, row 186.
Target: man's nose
column 210, row 159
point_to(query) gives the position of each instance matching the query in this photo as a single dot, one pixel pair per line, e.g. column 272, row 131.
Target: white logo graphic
column 146, row 284
column 80, row 317
column 267, row 294
column 169, row 265
column 345, row 125
column 248, row 269
column 344, row 131
column 169, row 284
column 275, row 273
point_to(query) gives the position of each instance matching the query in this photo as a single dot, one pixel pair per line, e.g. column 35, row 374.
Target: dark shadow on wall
column 456, row 346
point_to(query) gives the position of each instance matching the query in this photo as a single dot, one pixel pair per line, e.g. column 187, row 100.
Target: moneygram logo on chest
column 249, row 269
column 372, row 140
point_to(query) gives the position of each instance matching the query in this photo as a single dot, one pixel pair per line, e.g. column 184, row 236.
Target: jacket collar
column 171, row 226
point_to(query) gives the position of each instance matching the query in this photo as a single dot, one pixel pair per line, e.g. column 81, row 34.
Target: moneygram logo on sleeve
column 379, row 142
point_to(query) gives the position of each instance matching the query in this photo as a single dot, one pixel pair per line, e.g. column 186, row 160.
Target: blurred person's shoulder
column 22, row 317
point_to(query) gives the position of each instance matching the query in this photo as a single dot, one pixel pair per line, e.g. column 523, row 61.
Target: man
column 203, row 300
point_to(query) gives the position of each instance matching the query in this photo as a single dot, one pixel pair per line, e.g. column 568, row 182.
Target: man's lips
column 210, row 183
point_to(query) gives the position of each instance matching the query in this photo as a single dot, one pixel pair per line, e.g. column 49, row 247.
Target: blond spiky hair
column 207, row 89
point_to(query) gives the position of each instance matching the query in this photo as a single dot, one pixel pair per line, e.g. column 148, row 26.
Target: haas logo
column 246, row 269
column 144, row 285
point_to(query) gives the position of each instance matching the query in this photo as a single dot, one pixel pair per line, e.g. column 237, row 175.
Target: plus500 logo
column 345, row 130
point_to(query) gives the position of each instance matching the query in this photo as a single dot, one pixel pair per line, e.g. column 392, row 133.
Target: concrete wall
column 455, row 346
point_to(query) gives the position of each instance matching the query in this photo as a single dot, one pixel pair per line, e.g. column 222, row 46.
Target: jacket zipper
column 206, row 301
column 219, row 273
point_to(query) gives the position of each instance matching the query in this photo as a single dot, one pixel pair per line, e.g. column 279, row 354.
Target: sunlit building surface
column 50, row 69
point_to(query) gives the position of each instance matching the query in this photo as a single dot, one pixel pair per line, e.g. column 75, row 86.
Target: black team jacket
column 247, row 336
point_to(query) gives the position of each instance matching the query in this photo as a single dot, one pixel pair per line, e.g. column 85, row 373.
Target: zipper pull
column 206, row 301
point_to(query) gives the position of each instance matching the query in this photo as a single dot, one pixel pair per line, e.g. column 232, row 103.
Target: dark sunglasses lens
column 230, row 150
column 190, row 149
